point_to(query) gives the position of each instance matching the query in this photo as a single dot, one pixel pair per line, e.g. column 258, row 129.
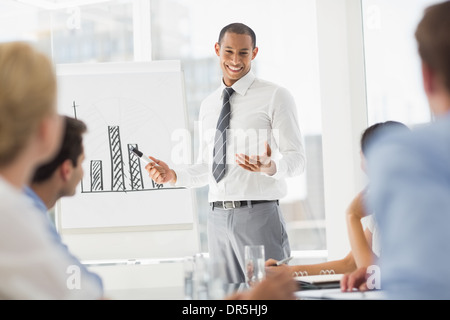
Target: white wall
column 344, row 112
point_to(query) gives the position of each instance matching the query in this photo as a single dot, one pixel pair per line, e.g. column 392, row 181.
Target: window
column 394, row 81
column 90, row 33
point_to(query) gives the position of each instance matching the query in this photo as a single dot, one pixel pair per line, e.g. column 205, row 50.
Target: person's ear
column 254, row 52
column 217, row 49
column 66, row 169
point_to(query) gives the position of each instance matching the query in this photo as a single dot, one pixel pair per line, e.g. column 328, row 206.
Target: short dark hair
column 71, row 148
column 432, row 35
column 376, row 129
column 238, row 28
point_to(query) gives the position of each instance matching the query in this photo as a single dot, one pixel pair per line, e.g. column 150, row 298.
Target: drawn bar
column 96, row 175
column 117, row 171
column 137, row 182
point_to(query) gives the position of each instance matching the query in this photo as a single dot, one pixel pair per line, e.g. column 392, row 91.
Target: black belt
column 237, row 204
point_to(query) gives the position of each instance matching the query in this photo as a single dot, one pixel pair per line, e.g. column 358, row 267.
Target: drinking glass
column 254, row 264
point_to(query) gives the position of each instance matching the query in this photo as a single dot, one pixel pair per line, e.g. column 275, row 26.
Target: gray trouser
column 229, row 231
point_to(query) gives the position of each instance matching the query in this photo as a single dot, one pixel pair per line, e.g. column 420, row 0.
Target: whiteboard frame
column 161, row 227
column 117, row 68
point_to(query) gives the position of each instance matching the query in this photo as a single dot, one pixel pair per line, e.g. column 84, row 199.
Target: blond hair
column 27, row 95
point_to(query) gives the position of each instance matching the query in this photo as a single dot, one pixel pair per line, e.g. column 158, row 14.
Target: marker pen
column 141, row 155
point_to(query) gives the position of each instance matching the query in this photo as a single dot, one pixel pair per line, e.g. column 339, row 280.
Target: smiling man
column 236, row 52
column 247, row 118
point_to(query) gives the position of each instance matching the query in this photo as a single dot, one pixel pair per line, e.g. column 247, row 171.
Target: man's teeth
column 234, row 69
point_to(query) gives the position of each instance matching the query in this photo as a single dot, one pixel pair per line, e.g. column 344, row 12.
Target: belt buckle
column 228, row 205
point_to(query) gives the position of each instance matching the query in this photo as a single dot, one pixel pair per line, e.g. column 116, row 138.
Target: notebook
column 322, row 281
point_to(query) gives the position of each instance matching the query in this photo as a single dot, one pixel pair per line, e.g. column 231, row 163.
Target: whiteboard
column 124, row 105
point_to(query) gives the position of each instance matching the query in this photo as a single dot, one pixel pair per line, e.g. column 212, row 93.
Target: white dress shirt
column 260, row 111
column 32, row 265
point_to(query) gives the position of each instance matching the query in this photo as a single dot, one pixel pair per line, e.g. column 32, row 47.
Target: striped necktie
column 220, row 140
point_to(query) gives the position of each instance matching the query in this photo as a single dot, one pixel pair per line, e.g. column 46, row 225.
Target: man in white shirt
column 244, row 198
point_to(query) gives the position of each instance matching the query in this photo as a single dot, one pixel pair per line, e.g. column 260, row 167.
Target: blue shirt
column 57, row 238
column 410, row 195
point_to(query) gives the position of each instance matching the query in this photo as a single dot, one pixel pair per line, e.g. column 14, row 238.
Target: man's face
column 76, row 176
column 236, row 54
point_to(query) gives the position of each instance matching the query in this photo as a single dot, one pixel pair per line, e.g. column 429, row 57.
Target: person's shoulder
column 212, row 96
column 392, row 138
column 11, row 198
column 438, row 130
column 18, row 214
column 432, row 141
column 214, row 93
column 277, row 90
column 425, row 139
column 266, row 84
column 425, row 146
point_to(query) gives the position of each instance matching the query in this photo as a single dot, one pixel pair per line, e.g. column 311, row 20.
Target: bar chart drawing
column 124, row 106
column 120, row 180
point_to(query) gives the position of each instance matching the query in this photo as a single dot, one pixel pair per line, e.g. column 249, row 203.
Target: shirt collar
column 241, row 86
column 36, row 200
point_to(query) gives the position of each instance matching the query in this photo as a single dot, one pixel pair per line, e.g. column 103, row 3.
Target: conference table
column 164, row 280
column 177, row 293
